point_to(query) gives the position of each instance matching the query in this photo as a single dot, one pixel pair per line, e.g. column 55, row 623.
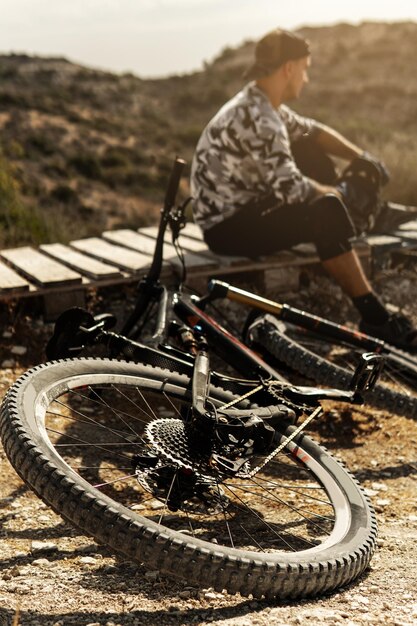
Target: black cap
column 275, row 49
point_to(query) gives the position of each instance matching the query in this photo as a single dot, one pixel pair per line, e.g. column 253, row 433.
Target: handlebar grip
column 174, row 181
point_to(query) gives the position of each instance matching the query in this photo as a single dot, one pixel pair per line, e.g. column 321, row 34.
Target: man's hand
column 380, row 166
column 322, row 190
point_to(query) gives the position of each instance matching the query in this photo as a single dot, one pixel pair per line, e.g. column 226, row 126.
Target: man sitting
column 262, row 180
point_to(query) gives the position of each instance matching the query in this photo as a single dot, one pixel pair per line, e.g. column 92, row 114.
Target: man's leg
column 348, row 272
column 341, row 261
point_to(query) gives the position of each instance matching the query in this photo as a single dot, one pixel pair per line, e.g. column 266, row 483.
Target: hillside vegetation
column 85, row 150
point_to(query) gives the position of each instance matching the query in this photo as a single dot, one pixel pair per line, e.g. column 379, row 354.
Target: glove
column 380, row 165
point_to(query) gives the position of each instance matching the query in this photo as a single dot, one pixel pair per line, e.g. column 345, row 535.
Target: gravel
column 51, row 575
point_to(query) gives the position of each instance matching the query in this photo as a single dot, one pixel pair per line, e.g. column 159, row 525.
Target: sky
column 163, row 37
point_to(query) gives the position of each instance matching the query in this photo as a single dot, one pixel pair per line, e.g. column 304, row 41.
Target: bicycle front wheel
column 332, row 363
column 83, row 434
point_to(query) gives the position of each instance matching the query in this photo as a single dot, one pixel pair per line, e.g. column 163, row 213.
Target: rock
column 212, row 595
column 15, row 571
column 88, row 560
column 41, row 562
column 379, row 487
column 156, row 504
column 19, row 350
column 383, row 503
column 7, row 364
column 43, row 546
column 7, row 334
column 152, row 576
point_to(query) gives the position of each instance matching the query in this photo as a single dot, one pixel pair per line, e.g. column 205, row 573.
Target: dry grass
column 77, row 137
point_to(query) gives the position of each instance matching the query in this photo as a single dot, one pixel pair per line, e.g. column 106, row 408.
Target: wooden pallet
column 61, row 274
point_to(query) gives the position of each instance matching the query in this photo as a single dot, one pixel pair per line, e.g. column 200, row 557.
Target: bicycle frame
column 308, row 321
column 190, row 311
column 240, row 356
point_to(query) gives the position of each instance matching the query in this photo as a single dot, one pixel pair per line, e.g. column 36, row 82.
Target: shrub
column 87, row 165
column 63, row 193
column 18, row 223
column 40, row 142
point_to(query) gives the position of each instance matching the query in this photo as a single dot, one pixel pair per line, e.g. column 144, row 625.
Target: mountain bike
column 205, row 475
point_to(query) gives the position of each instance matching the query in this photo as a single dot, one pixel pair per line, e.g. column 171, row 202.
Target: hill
column 92, row 150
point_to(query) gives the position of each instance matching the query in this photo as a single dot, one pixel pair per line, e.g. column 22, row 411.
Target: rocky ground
column 52, row 575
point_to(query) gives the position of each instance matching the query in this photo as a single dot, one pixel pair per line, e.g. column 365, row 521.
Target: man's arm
column 334, row 143
column 318, row 189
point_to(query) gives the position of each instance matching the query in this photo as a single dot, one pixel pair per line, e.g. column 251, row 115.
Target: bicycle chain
column 283, row 444
column 272, row 387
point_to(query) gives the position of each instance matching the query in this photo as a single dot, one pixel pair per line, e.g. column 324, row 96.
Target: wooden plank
column 132, row 239
column 192, row 245
column 137, row 240
column 407, row 236
column 187, row 243
column 11, row 281
column 119, row 256
column 80, row 262
column 199, row 246
column 39, row 268
column 383, row 242
column 409, row 225
column 192, row 230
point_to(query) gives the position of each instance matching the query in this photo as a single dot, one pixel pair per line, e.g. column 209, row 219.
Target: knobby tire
column 70, row 429
column 278, row 342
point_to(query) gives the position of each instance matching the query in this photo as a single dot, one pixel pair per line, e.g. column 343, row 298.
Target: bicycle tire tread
column 302, row 360
column 139, row 542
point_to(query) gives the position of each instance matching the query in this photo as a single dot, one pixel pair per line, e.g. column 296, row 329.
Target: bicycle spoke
column 265, row 514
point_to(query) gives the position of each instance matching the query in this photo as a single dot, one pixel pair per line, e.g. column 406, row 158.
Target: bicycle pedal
column 367, row 372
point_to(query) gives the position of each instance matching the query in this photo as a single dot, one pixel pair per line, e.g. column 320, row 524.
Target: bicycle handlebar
column 173, row 184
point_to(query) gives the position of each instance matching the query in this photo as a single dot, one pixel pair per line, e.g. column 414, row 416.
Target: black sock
column 371, row 308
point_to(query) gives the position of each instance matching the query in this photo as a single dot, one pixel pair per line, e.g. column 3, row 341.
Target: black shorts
column 264, row 228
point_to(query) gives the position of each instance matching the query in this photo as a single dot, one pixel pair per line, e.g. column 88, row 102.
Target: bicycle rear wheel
column 331, row 362
column 75, row 429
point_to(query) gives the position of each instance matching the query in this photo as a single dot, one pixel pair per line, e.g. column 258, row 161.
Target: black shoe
column 398, row 331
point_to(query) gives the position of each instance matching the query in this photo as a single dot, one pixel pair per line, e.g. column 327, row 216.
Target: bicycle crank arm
column 313, row 395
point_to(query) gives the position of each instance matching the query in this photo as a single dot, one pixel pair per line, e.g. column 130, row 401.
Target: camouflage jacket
column 244, row 155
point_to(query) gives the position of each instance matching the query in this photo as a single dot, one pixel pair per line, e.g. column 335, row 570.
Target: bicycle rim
column 74, row 429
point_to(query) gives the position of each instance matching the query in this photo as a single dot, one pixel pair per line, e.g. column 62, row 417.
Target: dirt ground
column 52, row 575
